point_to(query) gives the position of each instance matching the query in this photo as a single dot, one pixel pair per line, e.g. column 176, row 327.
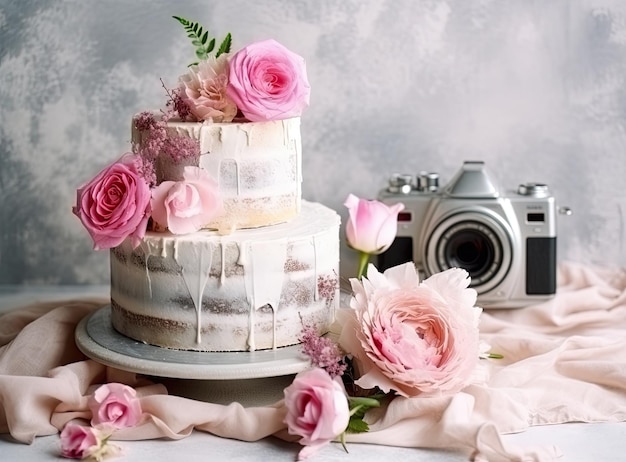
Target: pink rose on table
column 372, row 226
column 80, row 442
column 186, row 206
column 115, row 405
column 416, row 339
column 268, row 82
column 203, row 88
column 317, row 409
column 115, row 204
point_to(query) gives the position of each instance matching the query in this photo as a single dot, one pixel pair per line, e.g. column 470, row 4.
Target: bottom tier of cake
column 253, row 289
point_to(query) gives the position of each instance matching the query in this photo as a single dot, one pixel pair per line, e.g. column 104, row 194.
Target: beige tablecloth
column 564, row 361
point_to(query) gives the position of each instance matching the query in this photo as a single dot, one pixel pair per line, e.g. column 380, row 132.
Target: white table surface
column 579, row 442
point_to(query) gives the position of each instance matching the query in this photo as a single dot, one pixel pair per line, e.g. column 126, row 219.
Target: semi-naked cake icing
column 256, row 165
column 211, row 246
column 253, row 289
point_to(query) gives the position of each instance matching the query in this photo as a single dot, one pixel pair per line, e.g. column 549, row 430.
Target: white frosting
column 257, row 166
column 249, row 290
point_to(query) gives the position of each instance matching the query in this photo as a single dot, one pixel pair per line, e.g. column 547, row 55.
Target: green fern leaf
column 205, row 37
column 225, row 45
column 210, row 46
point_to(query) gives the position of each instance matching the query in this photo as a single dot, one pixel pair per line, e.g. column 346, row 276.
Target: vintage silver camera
column 507, row 242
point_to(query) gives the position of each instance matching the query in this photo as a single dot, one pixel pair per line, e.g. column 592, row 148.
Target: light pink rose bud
column 115, row 405
column 317, row 409
column 80, row 442
column 115, row 204
column 188, row 205
column 372, row 226
column 268, row 82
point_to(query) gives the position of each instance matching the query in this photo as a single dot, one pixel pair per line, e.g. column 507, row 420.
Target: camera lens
column 477, row 242
column 471, row 250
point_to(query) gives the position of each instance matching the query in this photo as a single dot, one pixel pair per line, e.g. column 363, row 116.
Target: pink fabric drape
column 564, row 361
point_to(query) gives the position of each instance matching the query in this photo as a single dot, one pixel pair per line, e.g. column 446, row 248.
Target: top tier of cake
column 257, row 166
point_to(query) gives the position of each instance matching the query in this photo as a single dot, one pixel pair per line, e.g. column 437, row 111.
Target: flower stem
column 364, row 258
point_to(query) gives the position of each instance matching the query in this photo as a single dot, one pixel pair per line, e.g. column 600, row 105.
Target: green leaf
column 210, row 46
column 225, row 45
column 205, row 37
column 357, row 426
column 196, row 43
column 201, row 53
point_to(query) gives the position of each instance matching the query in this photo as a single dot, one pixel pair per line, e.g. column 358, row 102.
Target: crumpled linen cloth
column 564, row 361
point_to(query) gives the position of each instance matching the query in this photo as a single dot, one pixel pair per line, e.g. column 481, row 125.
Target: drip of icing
column 145, row 248
column 196, row 277
column 264, row 273
column 223, row 268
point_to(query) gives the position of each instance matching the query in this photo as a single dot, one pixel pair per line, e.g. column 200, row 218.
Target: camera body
column 507, row 243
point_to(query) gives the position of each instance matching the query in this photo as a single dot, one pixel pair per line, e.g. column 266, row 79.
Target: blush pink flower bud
column 268, row 82
column 186, row 206
column 115, row 204
column 115, row 405
column 317, row 409
column 372, row 226
column 81, row 442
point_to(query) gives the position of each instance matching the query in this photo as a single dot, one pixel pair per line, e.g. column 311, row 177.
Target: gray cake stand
column 251, row 378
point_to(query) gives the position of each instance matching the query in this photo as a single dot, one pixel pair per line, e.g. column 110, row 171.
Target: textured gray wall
column 535, row 88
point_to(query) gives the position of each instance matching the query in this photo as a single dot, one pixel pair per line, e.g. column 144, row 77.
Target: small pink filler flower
column 268, row 82
column 186, row 206
column 115, row 204
column 115, row 405
column 81, row 442
column 317, row 409
column 414, row 338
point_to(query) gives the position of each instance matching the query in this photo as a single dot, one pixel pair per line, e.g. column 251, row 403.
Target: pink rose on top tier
column 411, row 337
column 317, row 409
column 115, row 405
column 203, row 88
column 115, row 204
column 80, row 442
column 188, row 205
column 268, row 82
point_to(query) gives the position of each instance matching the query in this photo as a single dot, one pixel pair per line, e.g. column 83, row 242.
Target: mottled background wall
column 535, row 88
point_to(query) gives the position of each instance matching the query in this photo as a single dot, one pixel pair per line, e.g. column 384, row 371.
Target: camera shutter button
column 533, row 189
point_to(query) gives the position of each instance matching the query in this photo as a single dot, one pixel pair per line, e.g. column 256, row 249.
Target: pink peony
column 317, row 409
column 186, row 206
column 203, row 89
column 80, row 442
column 268, row 82
column 416, row 339
column 115, row 405
column 115, row 204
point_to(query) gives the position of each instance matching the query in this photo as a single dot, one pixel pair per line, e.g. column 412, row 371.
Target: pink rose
column 80, row 442
column 317, row 409
column 115, row 204
column 416, row 339
column 268, row 82
column 115, row 405
column 203, row 88
column 186, row 206
column 372, row 226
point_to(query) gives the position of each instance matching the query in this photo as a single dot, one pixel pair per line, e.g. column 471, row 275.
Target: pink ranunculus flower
column 317, row 409
column 188, row 205
column 203, row 88
column 411, row 337
column 115, row 204
column 372, row 226
column 268, row 82
column 115, row 405
column 81, row 442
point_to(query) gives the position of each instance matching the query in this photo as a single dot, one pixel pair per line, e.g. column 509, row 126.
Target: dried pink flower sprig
column 323, row 352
